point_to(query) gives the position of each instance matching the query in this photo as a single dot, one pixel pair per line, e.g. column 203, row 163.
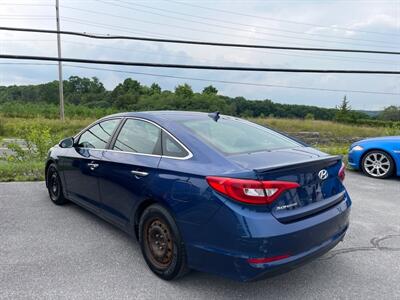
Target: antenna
column 214, row 115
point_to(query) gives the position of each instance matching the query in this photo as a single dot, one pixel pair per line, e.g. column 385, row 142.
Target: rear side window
column 233, row 136
column 139, row 136
column 98, row 136
column 171, row 147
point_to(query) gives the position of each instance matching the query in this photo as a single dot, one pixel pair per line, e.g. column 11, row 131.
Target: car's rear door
column 129, row 166
column 81, row 164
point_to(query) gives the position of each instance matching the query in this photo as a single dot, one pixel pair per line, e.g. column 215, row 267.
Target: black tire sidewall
column 391, row 168
column 178, row 264
column 60, row 199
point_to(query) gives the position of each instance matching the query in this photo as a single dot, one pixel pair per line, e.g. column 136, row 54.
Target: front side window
column 139, row 136
column 98, row 136
column 233, row 136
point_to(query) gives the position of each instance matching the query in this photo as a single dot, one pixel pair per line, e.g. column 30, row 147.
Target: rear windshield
column 233, row 136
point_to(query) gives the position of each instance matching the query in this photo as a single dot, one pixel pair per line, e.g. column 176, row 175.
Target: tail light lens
column 342, row 173
column 250, row 191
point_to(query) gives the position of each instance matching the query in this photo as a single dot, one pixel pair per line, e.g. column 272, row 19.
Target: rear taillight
column 342, row 173
column 250, row 191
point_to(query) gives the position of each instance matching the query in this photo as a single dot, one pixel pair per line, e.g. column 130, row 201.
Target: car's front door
column 81, row 164
column 129, row 167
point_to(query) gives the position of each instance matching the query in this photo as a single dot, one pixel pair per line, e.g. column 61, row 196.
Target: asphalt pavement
column 51, row 252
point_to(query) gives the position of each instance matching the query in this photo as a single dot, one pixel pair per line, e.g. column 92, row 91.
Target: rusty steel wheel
column 161, row 243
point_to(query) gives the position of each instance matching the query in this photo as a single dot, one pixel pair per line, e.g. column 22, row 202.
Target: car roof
column 165, row 115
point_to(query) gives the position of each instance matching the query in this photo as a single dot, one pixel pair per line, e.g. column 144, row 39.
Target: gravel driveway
column 65, row 252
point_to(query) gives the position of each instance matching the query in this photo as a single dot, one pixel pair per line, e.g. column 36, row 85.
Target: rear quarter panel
column 181, row 185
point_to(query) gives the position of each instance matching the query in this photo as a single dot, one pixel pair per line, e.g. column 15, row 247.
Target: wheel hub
column 377, row 164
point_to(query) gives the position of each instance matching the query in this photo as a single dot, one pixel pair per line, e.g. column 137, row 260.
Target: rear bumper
column 258, row 236
column 291, row 263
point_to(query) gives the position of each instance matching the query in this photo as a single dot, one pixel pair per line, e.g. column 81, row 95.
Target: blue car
column 376, row 157
column 203, row 191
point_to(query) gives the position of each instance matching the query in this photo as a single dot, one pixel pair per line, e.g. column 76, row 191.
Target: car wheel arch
column 378, row 149
column 141, row 208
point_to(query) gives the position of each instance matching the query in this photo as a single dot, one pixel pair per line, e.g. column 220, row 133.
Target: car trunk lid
column 315, row 172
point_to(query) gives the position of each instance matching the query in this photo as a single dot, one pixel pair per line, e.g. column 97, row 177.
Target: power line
column 28, row 64
column 320, row 56
column 235, row 23
column 26, row 18
column 180, row 27
column 25, row 40
column 213, row 32
column 309, row 56
column 113, row 27
column 199, row 67
column 192, row 42
column 24, row 4
column 235, row 13
column 211, row 80
column 280, row 20
column 135, row 50
column 39, row 16
column 247, row 25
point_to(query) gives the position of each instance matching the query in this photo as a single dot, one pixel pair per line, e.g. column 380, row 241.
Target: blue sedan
column 376, row 157
column 206, row 192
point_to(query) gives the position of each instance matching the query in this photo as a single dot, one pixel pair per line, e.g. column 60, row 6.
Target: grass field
column 325, row 128
column 21, row 171
column 340, row 134
column 10, row 127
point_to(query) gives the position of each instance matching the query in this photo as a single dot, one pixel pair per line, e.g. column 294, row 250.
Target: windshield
column 233, row 136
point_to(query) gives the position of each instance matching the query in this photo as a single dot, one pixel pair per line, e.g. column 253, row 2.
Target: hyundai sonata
column 205, row 191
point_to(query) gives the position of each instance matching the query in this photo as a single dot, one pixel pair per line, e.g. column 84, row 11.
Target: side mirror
column 67, row 143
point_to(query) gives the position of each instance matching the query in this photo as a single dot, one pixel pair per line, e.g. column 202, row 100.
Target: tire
column 54, row 186
column 377, row 164
column 161, row 243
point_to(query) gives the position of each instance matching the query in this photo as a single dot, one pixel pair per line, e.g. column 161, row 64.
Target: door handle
column 139, row 173
column 92, row 166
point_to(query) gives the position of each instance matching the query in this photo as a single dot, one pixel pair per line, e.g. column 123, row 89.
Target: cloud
column 370, row 16
column 378, row 21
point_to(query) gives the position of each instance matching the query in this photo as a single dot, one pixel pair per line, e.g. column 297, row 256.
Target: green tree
column 126, row 101
column 343, row 111
column 309, row 116
column 390, row 113
column 155, row 89
column 184, row 91
column 344, row 106
column 129, row 86
column 210, row 90
column 83, row 90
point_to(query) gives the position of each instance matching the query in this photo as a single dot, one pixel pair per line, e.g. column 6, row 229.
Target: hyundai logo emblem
column 323, row 174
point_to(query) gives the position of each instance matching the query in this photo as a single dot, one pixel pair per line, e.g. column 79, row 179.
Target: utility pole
column 60, row 77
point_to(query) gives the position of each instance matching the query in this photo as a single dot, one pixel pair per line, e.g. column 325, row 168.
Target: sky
column 350, row 24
